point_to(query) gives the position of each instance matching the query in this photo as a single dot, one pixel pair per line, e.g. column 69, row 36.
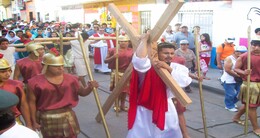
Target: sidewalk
column 213, row 84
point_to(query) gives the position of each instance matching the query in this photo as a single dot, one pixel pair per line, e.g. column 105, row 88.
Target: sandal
column 257, row 134
column 118, row 109
column 240, row 122
column 125, row 109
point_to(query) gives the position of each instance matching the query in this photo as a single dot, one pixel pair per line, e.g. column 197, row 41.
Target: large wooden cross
column 155, row 34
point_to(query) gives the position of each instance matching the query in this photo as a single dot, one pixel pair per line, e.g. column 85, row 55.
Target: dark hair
column 11, row 32
column 19, row 31
column 89, row 25
column 257, row 30
column 7, row 119
column 207, row 39
column 85, row 36
column 165, row 45
column 64, row 35
column 255, row 42
column 3, row 40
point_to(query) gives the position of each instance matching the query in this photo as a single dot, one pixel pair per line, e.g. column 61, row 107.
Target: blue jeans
column 231, row 92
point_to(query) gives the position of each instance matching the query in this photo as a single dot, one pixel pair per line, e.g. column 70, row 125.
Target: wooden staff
column 200, row 84
column 248, row 78
column 54, row 39
column 42, row 43
column 61, row 43
column 86, row 59
column 102, row 38
column 116, row 73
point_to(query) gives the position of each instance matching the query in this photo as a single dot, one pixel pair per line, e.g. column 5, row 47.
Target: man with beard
column 150, row 100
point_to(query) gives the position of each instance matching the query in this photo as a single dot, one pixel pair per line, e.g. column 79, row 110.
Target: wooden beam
column 155, row 34
column 174, row 86
column 165, row 75
column 116, row 92
column 21, row 44
column 73, row 38
column 54, row 39
column 102, row 38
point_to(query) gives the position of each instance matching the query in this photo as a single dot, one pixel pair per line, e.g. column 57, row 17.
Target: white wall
column 228, row 19
column 233, row 21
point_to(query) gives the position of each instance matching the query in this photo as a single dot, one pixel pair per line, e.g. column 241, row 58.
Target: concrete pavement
column 213, row 84
column 219, row 120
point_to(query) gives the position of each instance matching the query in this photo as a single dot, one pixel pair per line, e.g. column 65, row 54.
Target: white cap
column 184, row 42
column 230, row 39
column 240, row 48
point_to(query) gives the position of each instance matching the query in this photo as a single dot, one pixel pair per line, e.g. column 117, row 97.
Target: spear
column 248, row 78
column 61, row 43
column 200, row 84
column 86, row 60
column 116, row 73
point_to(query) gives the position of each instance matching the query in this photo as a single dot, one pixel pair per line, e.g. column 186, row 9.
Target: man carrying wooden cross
column 152, row 112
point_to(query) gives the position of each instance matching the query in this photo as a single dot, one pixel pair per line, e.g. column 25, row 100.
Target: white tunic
column 143, row 126
column 78, row 56
column 19, row 131
column 102, row 44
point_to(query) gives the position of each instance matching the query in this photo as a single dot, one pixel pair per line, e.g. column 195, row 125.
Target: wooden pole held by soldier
column 86, row 59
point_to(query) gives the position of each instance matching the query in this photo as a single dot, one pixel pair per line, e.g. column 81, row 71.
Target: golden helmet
column 123, row 38
column 3, row 62
column 32, row 47
column 53, row 58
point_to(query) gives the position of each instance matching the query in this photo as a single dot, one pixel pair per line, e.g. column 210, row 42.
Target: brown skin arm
column 87, row 90
column 142, row 49
column 228, row 67
column 238, row 69
column 24, row 108
column 110, row 58
column 160, row 64
column 32, row 106
column 16, row 72
column 219, row 61
column 196, row 77
column 20, row 49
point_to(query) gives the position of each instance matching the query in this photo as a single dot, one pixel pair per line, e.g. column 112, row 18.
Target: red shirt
column 255, row 62
column 124, row 58
column 51, row 96
column 29, row 68
column 15, row 87
column 179, row 60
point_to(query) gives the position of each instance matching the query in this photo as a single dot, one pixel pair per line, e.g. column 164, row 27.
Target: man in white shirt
column 9, row 52
column 8, row 127
column 78, row 57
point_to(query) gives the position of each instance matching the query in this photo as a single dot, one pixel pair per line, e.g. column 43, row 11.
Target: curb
column 209, row 88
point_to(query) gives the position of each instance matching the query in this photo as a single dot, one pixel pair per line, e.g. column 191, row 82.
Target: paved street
column 219, row 121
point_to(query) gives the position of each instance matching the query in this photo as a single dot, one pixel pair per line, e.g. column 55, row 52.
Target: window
column 145, row 18
column 202, row 18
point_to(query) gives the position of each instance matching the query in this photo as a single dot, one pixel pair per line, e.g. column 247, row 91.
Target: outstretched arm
column 142, row 49
column 16, row 72
column 87, row 90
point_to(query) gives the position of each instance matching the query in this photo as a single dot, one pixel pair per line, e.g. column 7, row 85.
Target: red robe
column 151, row 95
column 15, row 87
column 29, row 68
column 97, row 53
